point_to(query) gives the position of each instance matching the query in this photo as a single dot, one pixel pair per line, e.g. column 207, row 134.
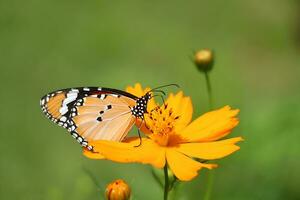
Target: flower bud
column 204, row 60
column 117, row 190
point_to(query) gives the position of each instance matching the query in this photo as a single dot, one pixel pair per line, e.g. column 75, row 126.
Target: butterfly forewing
column 91, row 113
column 57, row 105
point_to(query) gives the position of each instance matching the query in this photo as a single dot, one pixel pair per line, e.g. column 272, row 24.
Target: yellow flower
column 173, row 139
column 117, row 190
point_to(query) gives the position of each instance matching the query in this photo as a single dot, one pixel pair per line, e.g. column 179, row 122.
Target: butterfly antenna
column 161, row 91
column 162, row 98
column 172, row 84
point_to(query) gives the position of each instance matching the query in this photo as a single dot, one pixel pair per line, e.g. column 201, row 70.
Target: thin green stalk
column 210, row 179
column 209, row 90
column 210, row 183
column 98, row 185
column 166, row 190
column 157, row 178
column 173, row 182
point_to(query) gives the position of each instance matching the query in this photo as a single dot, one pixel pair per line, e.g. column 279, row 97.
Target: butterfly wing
column 57, row 105
column 91, row 113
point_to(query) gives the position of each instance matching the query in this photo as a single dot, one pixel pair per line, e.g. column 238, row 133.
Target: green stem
column 94, row 179
column 210, row 183
column 210, row 179
column 209, row 90
column 174, row 181
column 166, row 190
column 158, row 180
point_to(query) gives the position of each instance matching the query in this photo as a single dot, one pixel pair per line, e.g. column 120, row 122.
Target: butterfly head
column 141, row 103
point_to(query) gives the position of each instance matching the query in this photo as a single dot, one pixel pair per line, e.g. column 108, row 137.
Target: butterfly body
column 94, row 113
column 141, row 106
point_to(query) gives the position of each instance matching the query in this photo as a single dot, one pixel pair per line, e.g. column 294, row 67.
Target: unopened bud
column 117, row 190
column 204, row 60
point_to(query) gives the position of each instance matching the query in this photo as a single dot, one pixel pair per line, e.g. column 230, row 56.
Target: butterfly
column 96, row 113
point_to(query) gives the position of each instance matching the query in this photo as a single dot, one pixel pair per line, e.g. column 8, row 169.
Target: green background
column 51, row 44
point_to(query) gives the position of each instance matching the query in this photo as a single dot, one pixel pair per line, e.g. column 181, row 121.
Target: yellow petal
column 210, row 150
column 136, row 90
column 182, row 107
column 92, row 155
column 183, row 167
column 211, row 126
column 127, row 152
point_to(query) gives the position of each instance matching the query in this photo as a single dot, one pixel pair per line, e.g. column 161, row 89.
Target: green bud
column 204, row 60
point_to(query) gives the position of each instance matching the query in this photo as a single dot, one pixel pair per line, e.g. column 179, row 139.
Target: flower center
column 161, row 121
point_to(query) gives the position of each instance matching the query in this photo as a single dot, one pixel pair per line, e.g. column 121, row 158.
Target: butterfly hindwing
column 96, row 118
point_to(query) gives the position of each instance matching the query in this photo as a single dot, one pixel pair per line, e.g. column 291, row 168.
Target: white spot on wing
column 102, row 97
column 63, row 110
column 63, row 118
column 71, row 94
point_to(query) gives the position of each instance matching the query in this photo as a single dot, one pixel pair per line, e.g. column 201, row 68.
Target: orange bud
column 117, row 190
column 204, row 60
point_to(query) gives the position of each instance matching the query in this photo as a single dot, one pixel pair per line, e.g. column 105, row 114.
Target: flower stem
column 98, row 185
column 166, row 190
column 209, row 90
column 210, row 183
column 210, row 179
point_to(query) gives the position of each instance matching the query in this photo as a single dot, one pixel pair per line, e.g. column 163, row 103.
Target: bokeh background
column 51, row 44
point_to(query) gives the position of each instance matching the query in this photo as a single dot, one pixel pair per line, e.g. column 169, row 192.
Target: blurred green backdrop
column 50, row 44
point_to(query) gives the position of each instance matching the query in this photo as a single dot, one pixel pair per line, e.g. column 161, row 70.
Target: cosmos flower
column 172, row 139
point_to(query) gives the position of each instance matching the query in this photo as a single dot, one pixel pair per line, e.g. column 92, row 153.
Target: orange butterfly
column 94, row 113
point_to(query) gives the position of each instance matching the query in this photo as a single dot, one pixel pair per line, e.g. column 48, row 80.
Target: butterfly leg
column 140, row 137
